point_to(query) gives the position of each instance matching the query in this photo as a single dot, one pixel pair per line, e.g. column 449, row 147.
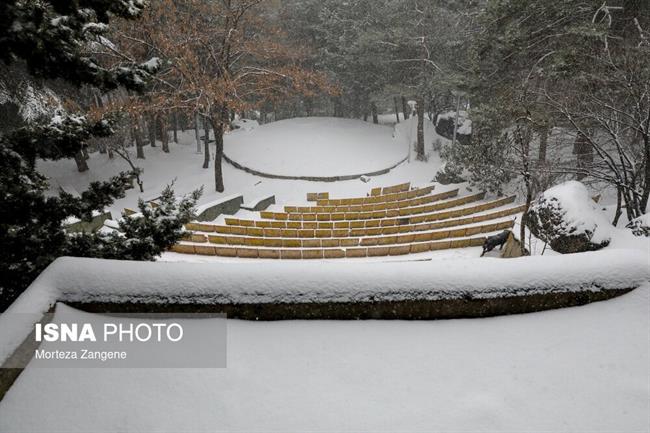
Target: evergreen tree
column 50, row 37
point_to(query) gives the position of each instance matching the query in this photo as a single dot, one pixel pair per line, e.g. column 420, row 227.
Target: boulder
column 566, row 218
column 445, row 127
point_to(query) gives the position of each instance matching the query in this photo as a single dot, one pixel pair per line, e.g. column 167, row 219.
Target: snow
column 245, row 124
column 577, row 369
column 33, row 102
column 464, row 123
column 579, row 211
column 643, row 220
column 183, row 167
column 586, row 366
column 640, row 226
column 94, row 280
column 466, row 127
column 316, row 147
column 151, row 65
column 205, row 206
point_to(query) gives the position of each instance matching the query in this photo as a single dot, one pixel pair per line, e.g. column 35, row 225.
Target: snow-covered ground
column 578, row 369
column 316, row 147
column 183, row 166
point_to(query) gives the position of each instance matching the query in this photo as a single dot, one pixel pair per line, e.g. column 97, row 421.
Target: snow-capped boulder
column 445, row 126
column 640, row 226
column 566, row 218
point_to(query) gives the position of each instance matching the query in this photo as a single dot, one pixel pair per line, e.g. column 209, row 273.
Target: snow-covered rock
column 445, row 126
column 566, row 218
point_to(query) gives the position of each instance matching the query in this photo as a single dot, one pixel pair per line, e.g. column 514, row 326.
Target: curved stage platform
column 316, row 148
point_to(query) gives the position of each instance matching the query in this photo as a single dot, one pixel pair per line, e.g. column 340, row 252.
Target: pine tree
column 50, row 38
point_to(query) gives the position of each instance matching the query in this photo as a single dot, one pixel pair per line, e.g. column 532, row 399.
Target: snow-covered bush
column 448, row 174
column 640, row 226
column 567, row 218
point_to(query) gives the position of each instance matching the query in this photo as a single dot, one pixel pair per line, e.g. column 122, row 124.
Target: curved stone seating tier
column 327, row 253
column 357, row 205
column 414, row 223
column 391, row 189
column 375, row 230
column 376, row 199
column 390, row 221
column 366, row 241
column 378, row 214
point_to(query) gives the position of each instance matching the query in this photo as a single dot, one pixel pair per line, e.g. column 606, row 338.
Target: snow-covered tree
column 51, row 38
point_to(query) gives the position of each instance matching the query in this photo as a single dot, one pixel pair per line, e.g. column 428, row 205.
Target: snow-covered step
column 377, row 214
column 329, row 253
column 453, row 212
column 365, row 204
column 356, row 228
column 349, row 240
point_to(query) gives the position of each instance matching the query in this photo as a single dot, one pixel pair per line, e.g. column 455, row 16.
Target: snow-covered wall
column 94, row 280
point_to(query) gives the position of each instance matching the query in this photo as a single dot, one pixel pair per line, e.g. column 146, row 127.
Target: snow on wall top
column 94, row 280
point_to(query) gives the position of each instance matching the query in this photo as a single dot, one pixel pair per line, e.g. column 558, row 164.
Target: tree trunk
column 197, row 133
column 405, row 108
column 584, row 152
column 524, row 215
column 82, row 165
column 619, row 203
column 206, row 141
column 159, row 126
column 396, row 108
column 151, row 129
column 365, row 116
column 645, row 194
column 419, row 147
column 543, row 146
column 139, row 145
column 175, row 126
column 373, row 110
column 164, row 134
column 218, row 126
column 84, row 151
column 523, row 139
